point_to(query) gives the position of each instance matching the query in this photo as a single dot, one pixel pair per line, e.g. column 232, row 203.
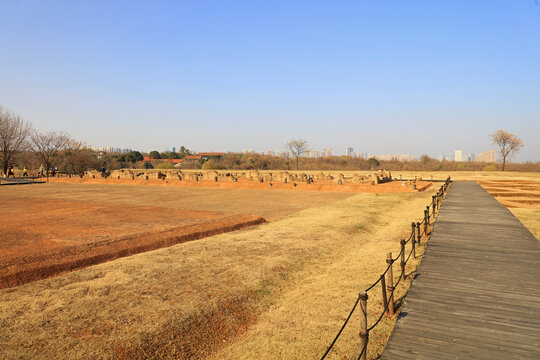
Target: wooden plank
column 477, row 293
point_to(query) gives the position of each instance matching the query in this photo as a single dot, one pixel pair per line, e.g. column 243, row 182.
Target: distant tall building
column 458, row 155
column 398, row 157
column 173, row 149
column 440, row 157
column 325, row 152
column 111, row 149
column 313, row 154
column 486, row 156
column 349, row 151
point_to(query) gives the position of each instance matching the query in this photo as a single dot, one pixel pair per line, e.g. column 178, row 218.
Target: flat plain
column 49, row 229
column 277, row 290
column 200, row 298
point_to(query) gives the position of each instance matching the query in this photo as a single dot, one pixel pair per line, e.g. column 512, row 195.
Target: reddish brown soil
column 390, row 187
column 42, row 238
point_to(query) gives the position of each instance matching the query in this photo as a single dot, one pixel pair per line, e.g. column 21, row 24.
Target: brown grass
column 283, row 285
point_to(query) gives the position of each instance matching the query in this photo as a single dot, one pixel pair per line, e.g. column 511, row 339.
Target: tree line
column 23, row 146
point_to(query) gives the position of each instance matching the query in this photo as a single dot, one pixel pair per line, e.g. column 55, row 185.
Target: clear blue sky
column 418, row 77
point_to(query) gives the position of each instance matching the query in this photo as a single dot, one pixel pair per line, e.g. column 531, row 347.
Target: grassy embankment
column 279, row 290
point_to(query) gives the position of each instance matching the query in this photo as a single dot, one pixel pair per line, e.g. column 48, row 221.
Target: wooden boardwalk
column 477, row 293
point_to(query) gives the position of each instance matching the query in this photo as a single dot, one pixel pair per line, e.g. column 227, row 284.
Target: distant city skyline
column 457, row 155
column 382, row 77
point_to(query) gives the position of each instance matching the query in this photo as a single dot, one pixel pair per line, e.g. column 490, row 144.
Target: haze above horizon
column 381, row 77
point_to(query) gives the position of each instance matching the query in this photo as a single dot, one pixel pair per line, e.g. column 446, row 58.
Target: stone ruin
column 381, row 176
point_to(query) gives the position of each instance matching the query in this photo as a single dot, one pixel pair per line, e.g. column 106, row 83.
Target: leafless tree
column 508, row 144
column 77, row 157
column 297, row 148
column 47, row 147
column 14, row 131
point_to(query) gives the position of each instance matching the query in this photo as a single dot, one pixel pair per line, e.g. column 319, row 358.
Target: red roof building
column 211, row 154
column 174, row 161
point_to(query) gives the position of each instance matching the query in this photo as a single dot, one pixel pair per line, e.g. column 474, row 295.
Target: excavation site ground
column 48, row 229
column 135, row 268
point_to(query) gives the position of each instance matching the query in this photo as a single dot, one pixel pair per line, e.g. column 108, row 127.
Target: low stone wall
column 378, row 177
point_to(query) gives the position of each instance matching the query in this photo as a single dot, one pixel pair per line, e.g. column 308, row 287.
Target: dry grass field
column 276, row 290
column 518, row 191
column 50, row 229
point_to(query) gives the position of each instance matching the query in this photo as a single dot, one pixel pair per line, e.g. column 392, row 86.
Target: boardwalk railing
column 418, row 230
column 19, row 180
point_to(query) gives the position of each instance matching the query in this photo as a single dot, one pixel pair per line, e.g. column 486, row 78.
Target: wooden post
column 390, row 284
column 433, row 205
column 428, row 217
column 413, row 239
column 425, row 221
column 402, row 243
column 364, row 334
column 384, row 297
column 418, row 234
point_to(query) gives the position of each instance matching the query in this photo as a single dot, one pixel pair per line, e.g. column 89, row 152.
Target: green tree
column 183, row 152
column 165, row 165
column 373, row 162
column 154, row 155
column 134, row 156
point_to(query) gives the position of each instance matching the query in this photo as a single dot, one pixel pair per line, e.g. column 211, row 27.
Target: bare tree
column 297, row 148
column 13, row 134
column 508, row 144
column 77, row 157
column 47, row 147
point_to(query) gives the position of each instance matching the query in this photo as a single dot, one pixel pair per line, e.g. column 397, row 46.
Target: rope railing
column 397, row 283
column 387, row 285
column 409, row 256
column 341, row 330
column 363, row 351
column 397, row 257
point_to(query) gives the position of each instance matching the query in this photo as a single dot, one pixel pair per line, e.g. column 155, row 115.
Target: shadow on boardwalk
column 477, row 295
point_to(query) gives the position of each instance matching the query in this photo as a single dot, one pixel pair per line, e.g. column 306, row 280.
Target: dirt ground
column 41, row 239
column 320, row 185
column 49, row 229
column 279, row 290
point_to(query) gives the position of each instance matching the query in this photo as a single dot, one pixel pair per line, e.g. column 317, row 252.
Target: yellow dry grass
column 279, row 290
column 530, row 218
